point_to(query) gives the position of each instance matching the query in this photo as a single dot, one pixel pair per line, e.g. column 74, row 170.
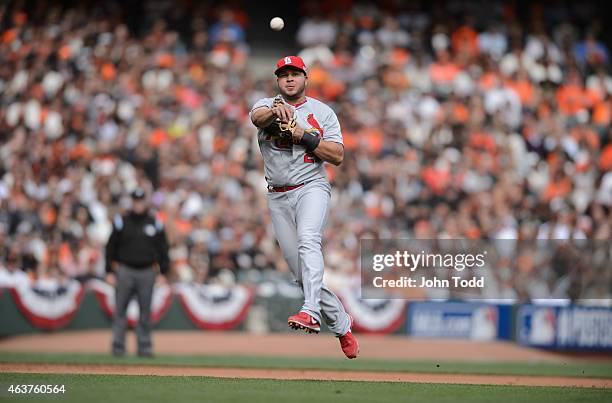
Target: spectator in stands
column 449, row 129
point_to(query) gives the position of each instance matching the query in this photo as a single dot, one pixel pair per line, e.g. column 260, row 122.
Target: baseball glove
column 288, row 128
column 278, row 101
column 279, row 128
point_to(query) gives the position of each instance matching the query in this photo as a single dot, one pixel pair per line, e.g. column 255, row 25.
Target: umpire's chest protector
column 138, row 237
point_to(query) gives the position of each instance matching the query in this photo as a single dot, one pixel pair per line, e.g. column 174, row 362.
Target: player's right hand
column 283, row 112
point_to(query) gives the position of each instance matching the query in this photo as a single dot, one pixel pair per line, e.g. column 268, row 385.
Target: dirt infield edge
column 280, row 374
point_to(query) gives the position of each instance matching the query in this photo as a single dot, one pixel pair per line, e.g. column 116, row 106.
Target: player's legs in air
column 298, row 218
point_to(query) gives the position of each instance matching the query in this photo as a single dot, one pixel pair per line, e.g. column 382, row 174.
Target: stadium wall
column 550, row 327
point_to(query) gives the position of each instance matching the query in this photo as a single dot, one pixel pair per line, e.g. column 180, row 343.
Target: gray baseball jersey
column 299, row 215
column 289, row 164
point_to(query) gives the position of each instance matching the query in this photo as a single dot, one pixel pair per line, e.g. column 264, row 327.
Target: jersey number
column 280, row 143
column 283, row 144
column 310, row 158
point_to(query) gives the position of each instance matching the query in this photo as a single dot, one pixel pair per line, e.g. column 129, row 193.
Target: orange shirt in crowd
column 350, row 140
column 108, row 72
column 436, row 179
column 64, row 52
column 317, row 75
column 524, row 90
column 372, row 138
column 399, row 57
column 165, row 60
column 443, row 72
column 465, row 40
column 333, row 90
column 48, row 215
column 605, row 160
column 482, row 140
column 602, row 113
column 158, row 137
column 460, row 113
column 558, row 188
column 473, row 232
column 183, row 226
column 488, row 80
column 65, row 257
column 571, row 98
column 9, row 35
column 321, row 81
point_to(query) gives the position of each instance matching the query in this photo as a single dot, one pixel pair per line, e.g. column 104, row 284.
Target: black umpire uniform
column 137, row 242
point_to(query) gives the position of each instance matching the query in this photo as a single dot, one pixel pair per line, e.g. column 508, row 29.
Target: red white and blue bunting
column 50, row 304
column 47, row 305
column 214, row 307
column 380, row 316
column 105, row 294
column 12, row 278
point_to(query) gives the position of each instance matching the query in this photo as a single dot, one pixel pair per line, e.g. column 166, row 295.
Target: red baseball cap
column 290, row 61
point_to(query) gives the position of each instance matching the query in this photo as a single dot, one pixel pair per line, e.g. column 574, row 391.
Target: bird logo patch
column 315, row 125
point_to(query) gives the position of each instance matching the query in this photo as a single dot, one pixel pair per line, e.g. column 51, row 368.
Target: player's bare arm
column 264, row 116
column 329, row 151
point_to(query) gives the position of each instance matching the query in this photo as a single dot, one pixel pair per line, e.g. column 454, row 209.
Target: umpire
column 136, row 249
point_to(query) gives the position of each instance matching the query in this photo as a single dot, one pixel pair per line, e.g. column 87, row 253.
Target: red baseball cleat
column 305, row 322
column 349, row 344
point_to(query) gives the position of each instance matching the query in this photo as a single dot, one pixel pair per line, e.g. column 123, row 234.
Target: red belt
column 277, row 189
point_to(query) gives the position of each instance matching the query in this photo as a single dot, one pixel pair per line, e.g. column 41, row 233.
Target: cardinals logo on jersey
column 315, row 125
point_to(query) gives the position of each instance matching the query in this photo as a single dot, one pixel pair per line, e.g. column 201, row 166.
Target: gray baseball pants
column 298, row 217
column 133, row 282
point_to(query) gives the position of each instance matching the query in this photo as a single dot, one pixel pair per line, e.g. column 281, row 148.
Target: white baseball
column 277, row 23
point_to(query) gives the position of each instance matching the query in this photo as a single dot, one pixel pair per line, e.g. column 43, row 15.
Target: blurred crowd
column 460, row 120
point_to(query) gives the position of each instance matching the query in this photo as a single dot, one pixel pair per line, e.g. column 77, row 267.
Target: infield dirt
column 324, row 345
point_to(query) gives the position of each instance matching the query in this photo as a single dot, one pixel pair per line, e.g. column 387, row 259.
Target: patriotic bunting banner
column 214, row 307
column 50, row 304
column 47, row 305
column 13, row 278
column 105, row 294
column 373, row 315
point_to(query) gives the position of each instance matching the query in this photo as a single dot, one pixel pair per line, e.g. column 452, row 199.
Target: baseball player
column 296, row 135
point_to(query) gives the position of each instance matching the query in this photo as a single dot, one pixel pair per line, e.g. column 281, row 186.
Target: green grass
column 154, row 389
column 572, row 369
